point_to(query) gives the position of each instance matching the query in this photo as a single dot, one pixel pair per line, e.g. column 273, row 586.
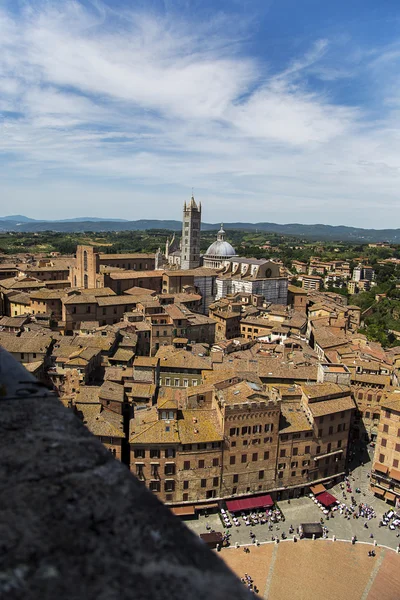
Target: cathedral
column 185, row 254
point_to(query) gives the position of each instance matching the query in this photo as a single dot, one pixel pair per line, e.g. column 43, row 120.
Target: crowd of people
column 249, row 583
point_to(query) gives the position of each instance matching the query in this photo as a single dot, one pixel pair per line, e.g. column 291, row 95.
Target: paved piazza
column 318, row 569
column 303, row 510
column 323, row 568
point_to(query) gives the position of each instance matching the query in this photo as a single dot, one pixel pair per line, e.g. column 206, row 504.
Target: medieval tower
column 190, row 244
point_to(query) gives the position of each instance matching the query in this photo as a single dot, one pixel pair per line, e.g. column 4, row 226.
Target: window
column 215, row 462
column 330, row 430
column 236, row 479
column 282, row 453
column 284, row 437
column 203, row 483
column 232, row 460
column 139, row 471
column 266, row 455
column 383, row 442
column 254, row 456
column 280, row 475
column 397, row 447
column 266, row 428
column 186, row 484
column 201, row 464
column 186, row 465
column 281, row 466
column 176, row 382
column 395, row 463
column 155, row 486
column 295, row 451
column 140, row 453
column 293, row 474
column 169, row 485
column 169, row 453
column 339, row 444
column 261, row 474
column 319, row 432
column 329, row 446
column 215, row 481
column 381, row 458
column 244, row 430
column 339, row 427
column 154, row 453
column 305, row 463
column 386, row 428
column 185, row 383
column 294, row 464
column 327, row 460
column 318, row 449
column 307, row 450
column 169, row 470
column 232, row 431
column 244, row 458
column 167, row 381
column 256, row 428
column 233, row 444
column 154, row 471
column 88, row 309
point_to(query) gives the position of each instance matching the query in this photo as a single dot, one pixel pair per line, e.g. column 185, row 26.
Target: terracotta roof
column 181, row 359
column 392, row 402
column 88, row 394
column 243, row 392
column 199, row 426
column 326, row 407
column 142, row 390
column 123, row 354
column 145, row 361
column 104, row 256
column 112, row 391
column 293, row 418
column 101, row 422
column 321, row 390
column 374, row 379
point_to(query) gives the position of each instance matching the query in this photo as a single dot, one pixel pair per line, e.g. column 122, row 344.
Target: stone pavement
column 309, row 570
column 303, row 510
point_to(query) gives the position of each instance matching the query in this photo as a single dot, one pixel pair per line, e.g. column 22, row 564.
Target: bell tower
column 191, row 223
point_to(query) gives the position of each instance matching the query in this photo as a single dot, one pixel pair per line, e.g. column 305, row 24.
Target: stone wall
column 76, row 524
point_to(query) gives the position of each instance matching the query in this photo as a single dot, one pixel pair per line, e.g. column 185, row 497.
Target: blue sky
column 283, row 111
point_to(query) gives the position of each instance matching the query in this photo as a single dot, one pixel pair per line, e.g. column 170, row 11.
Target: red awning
column 250, row 503
column 326, row 499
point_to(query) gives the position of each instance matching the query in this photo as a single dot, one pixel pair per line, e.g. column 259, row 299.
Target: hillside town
column 210, row 376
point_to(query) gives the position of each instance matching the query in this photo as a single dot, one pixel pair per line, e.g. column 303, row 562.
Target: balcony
column 76, row 523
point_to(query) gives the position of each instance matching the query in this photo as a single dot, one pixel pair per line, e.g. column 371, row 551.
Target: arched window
column 86, row 281
column 85, row 260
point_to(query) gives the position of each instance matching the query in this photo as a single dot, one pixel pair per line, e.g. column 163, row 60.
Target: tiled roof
column 243, row 392
column 321, row 390
column 181, row 359
column 123, row 354
column 88, row 394
column 25, row 343
column 392, row 402
column 293, row 418
column 326, row 407
column 112, row 391
column 101, row 422
column 104, row 256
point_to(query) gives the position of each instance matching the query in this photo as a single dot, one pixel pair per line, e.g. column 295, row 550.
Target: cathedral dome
column 221, row 248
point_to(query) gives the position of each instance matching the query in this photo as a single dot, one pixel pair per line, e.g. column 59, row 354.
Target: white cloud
column 156, row 106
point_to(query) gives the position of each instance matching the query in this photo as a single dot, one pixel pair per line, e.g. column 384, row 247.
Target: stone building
column 218, row 252
column 252, row 276
column 385, row 473
column 190, row 244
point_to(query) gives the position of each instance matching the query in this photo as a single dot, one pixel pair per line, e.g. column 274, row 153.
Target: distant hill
column 93, row 224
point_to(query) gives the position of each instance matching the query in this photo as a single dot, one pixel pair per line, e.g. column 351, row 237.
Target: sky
column 270, row 110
